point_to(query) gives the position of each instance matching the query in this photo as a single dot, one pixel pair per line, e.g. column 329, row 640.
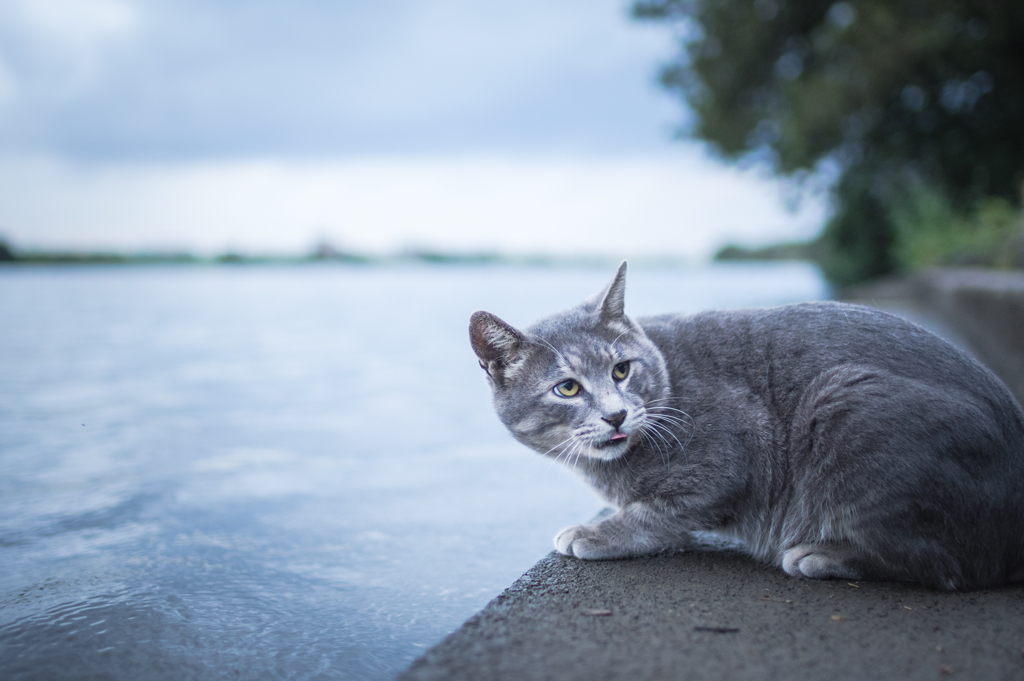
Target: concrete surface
column 715, row 614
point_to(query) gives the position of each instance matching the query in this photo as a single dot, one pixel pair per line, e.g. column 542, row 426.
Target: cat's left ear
column 495, row 342
column 613, row 298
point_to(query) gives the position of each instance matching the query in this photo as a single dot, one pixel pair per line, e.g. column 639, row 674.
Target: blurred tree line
column 917, row 105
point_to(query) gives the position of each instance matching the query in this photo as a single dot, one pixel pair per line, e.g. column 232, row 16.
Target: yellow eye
column 568, row 388
column 620, row 371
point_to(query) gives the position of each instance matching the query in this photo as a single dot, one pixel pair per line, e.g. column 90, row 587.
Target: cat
column 829, row 439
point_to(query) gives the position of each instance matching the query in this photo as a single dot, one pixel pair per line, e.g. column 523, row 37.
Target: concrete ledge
column 987, row 307
column 717, row 615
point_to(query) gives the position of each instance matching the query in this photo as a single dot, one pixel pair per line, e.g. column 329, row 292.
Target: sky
column 268, row 126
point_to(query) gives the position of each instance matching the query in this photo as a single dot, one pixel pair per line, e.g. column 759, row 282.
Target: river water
column 276, row 472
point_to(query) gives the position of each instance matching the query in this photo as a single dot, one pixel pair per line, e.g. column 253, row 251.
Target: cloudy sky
column 265, row 125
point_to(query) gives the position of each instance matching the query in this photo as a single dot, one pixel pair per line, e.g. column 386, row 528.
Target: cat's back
column 795, row 343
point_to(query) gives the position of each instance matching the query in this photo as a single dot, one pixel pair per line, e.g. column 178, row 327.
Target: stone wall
column 987, row 308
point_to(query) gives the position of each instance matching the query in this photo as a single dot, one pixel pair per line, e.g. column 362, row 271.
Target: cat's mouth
column 616, row 440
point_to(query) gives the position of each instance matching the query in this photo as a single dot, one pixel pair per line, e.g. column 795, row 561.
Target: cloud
column 58, row 45
column 184, row 79
column 80, row 22
column 8, row 85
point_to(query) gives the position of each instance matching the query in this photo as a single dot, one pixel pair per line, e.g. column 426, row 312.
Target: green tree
column 899, row 96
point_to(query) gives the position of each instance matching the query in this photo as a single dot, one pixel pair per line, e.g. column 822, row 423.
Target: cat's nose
column 615, row 419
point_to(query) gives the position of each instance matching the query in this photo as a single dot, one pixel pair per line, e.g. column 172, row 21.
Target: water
column 280, row 472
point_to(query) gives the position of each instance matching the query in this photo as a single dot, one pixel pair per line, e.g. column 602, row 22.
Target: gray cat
column 833, row 440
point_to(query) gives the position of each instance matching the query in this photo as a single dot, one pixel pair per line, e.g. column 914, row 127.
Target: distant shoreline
column 325, row 253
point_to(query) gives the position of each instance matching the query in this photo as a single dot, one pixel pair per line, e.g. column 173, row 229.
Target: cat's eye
column 620, row 371
column 568, row 388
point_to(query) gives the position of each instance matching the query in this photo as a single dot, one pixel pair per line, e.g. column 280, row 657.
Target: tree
column 895, row 94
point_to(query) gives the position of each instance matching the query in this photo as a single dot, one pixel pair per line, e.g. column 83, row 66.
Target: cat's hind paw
column 818, row 562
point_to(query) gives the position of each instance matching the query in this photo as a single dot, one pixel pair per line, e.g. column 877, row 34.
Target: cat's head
column 577, row 383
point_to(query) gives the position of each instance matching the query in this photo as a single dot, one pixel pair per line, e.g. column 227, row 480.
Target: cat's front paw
column 586, row 542
column 565, row 539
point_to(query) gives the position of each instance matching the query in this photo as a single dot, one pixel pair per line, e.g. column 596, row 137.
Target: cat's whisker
column 663, row 407
column 565, row 455
column 682, row 425
column 559, row 445
column 553, row 349
column 653, row 443
column 612, row 345
column 577, row 446
column 647, row 425
column 658, row 426
column 660, row 408
column 670, row 418
column 552, row 460
column 689, row 420
column 578, row 452
column 555, row 459
column 666, row 456
column 568, row 456
column 647, row 439
column 690, row 439
column 654, row 431
column 673, row 427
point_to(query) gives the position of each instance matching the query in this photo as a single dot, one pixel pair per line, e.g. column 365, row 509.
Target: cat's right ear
column 494, row 342
column 613, row 298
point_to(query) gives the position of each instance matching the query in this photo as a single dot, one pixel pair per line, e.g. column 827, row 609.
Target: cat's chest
column 615, row 487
